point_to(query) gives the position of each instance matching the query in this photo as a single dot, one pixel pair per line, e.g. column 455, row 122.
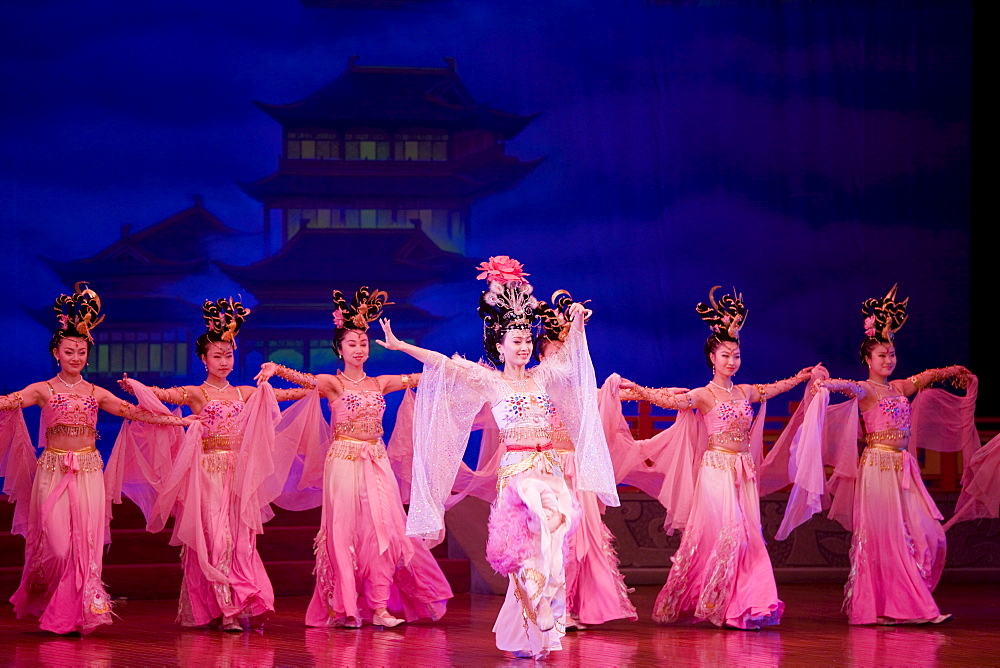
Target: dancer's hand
column 267, row 371
column 819, row 372
column 390, row 342
column 126, row 383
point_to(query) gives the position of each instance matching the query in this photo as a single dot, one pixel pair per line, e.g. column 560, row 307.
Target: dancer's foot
column 232, row 626
column 574, row 624
column 384, row 619
column 941, row 619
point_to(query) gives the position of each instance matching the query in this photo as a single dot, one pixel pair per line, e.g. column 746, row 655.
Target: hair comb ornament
column 79, row 313
column 224, row 318
column 508, row 302
column 555, row 317
column 365, row 307
column 725, row 317
column 884, row 317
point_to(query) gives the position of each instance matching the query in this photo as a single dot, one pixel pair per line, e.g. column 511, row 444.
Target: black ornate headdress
column 555, row 316
column 223, row 319
column 507, row 303
column 884, row 317
column 366, row 307
column 78, row 313
column 725, row 317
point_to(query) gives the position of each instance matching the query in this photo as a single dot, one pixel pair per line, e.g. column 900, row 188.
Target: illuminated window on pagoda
column 421, row 146
column 156, row 353
column 312, row 146
column 367, row 145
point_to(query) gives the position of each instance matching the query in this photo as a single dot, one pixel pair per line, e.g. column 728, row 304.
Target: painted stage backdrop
column 809, row 154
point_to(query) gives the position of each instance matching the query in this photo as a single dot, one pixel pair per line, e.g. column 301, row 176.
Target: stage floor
column 814, row 632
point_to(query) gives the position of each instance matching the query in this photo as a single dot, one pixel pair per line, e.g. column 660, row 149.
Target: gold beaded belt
column 88, row 459
column 517, row 434
column 348, row 447
column 72, row 430
column 221, row 441
column 545, row 461
column 886, row 458
column 360, row 426
column 886, row 435
column 886, row 447
column 732, row 436
column 219, row 459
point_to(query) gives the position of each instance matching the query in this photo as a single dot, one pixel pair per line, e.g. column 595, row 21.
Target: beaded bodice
column 735, row 415
column 358, row 411
column 524, row 416
column 890, row 413
column 70, row 410
column 219, row 417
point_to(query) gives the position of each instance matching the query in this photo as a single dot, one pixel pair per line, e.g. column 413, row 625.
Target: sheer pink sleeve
column 302, row 437
column 664, row 466
column 481, row 483
column 17, row 466
column 569, row 380
column 451, row 393
column 400, row 449
column 143, row 454
column 946, row 422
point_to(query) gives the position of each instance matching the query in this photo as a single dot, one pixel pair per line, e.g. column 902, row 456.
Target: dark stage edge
column 814, row 633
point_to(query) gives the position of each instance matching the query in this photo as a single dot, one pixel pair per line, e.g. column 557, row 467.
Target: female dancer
column 214, row 488
column 898, row 548
column 364, row 561
column 721, row 571
column 61, row 505
column 534, row 510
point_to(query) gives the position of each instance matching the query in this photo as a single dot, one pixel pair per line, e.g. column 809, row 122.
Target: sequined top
column 888, row 421
column 70, row 410
column 734, row 415
column 358, row 411
column 524, row 416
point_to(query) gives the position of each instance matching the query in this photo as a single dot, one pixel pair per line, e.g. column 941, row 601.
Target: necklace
column 724, row 389
column 518, row 384
column 216, row 387
column 70, row 386
column 885, row 385
column 356, row 382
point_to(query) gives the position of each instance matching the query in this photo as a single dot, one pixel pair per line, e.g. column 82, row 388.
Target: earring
column 206, row 368
column 501, row 358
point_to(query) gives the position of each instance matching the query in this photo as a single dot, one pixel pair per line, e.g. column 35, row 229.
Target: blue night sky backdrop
column 810, row 154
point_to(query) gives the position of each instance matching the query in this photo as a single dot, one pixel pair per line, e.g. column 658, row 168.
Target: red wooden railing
column 942, row 471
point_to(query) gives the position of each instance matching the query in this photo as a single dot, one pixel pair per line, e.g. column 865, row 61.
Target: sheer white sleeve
column 451, row 393
column 569, row 379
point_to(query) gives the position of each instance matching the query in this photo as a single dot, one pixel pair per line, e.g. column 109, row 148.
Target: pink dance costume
column 364, row 561
column 66, row 523
column 721, row 571
column 218, row 490
column 898, row 549
column 534, row 511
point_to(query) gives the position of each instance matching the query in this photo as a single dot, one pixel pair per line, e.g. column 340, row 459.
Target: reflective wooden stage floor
column 813, row 633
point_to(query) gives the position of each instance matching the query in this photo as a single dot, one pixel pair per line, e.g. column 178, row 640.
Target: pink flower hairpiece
column 338, row 318
column 870, row 326
column 502, row 269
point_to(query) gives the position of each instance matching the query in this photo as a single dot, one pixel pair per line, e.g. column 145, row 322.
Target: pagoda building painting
column 375, row 185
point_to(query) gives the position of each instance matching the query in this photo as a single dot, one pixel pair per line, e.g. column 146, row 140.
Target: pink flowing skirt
column 721, row 572
column 898, row 549
column 595, row 588
column 364, row 561
column 232, row 549
column 61, row 582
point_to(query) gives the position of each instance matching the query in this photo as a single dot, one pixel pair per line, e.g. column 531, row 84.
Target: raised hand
column 390, row 342
column 126, row 383
column 267, row 370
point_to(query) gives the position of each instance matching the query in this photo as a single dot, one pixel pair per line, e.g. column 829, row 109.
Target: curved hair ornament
column 555, row 316
column 79, row 313
column 884, row 317
column 366, row 307
column 224, row 318
column 725, row 317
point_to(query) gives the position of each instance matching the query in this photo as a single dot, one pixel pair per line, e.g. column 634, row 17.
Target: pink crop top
column 889, row 419
column 70, row 414
column 358, row 412
column 219, row 420
column 524, row 416
column 733, row 416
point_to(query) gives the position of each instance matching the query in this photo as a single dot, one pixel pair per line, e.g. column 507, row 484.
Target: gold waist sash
column 72, row 430
column 886, row 435
column 348, row 447
column 52, row 459
column 518, row 434
column 545, row 461
column 359, row 426
column 731, row 436
column 221, row 441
